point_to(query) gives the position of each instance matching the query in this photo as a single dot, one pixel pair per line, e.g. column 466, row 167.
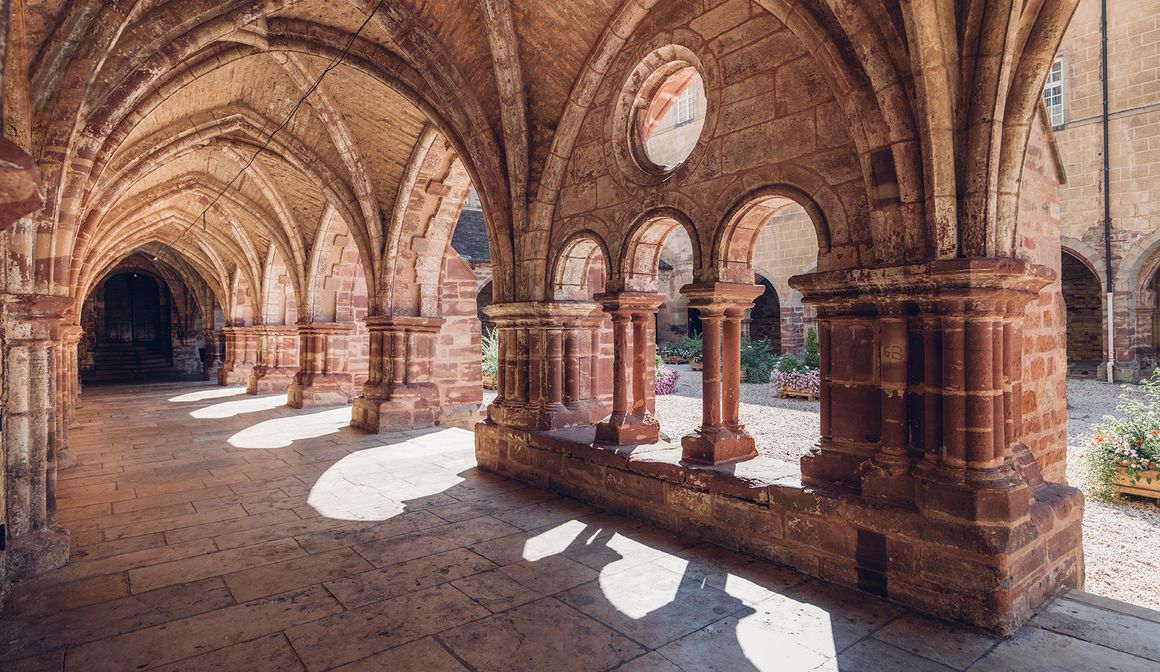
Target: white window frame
column 1055, row 93
column 686, row 105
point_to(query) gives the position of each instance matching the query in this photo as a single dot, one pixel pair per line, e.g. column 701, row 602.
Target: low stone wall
column 992, row 575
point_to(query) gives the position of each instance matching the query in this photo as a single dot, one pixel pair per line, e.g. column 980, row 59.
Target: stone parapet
column 993, row 575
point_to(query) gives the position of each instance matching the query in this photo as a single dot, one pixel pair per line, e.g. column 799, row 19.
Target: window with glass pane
column 1053, row 93
column 686, row 105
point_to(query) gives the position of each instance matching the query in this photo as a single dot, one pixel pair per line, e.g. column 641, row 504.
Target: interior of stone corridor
column 264, row 194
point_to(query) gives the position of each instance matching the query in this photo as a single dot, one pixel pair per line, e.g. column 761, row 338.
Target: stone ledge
column 991, row 575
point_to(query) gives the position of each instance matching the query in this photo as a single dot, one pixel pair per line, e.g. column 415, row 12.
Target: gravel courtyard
column 1122, row 559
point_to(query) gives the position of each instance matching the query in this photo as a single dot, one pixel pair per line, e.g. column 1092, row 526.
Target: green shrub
column 789, row 362
column 813, row 357
column 757, row 360
column 490, row 352
column 691, row 346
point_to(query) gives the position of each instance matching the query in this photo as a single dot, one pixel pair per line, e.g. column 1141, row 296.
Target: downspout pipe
column 1108, row 279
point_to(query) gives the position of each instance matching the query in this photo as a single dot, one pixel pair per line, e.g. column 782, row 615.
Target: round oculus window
column 670, row 116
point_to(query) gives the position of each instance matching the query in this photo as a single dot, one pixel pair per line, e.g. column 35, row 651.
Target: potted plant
column 692, row 346
column 490, row 359
column 1123, row 456
column 757, row 360
column 673, row 354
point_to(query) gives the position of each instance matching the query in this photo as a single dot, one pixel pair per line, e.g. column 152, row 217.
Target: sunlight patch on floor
column 229, row 409
column 371, row 485
column 282, row 432
column 213, row 393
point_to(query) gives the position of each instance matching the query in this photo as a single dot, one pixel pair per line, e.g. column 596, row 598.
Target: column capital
column 942, row 285
column 325, row 328
column 539, row 313
column 403, row 323
column 630, row 302
column 717, row 298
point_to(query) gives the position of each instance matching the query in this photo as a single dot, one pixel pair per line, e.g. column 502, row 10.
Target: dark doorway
column 1085, row 324
column 694, row 321
column 765, row 318
column 133, row 307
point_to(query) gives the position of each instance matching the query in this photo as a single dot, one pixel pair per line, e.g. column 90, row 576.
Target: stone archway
column 1083, row 302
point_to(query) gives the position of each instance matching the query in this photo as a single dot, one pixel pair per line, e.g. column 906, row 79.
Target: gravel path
column 1119, row 539
column 1121, row 548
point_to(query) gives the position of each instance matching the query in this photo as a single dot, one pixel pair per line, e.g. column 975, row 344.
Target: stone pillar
column 922, row 384
column 721, row 437
column 69, row 337
column 400, row 392
column 277, row 360
column 31, row 433
column 547, row 378
column 633, row 368
column 323, row 377
column 213, row 361
column 241, row 352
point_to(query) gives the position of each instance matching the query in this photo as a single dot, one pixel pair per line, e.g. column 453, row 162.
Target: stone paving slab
column 357, row 552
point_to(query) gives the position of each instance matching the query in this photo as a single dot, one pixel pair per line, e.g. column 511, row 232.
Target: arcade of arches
column 901, row 146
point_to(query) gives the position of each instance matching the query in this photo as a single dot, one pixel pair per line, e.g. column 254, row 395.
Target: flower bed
column 1124, row 454
column 804, row 383
column 667, row 380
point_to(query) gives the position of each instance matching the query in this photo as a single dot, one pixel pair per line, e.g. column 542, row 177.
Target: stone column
column 546, row 377
column 925, row 362
column 212, row 363
column 32, row 354
column 633, row 368
column 241, row 348
column 277, row 359
column 323, row 377
column 69, row 336
column 400, row 392
column 721, row 437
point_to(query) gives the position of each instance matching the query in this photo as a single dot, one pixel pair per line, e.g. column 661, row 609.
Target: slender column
column 620, row 367
column 721, row 437
column 711, row 369
column 631, row 420
column 731, row 368
column 572, row 365
column 400, row 392
column 887, row 475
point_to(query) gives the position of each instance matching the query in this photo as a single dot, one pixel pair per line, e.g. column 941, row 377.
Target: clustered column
column 212, row 362
column 400, row 392
column 241, row 345
column 32, row 357
column 548, row 356
column 634, row 368
column 323, row 376
column 277, row 359
column 721, row 437
column 922, row 384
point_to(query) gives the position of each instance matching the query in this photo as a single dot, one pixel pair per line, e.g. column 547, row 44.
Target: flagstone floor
column 217, row 531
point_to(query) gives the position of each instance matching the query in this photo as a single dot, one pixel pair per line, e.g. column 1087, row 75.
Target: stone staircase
column 129, row 362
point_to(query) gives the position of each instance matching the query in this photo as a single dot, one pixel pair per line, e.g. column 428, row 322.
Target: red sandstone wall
column 458, row 366
column 1044, row 338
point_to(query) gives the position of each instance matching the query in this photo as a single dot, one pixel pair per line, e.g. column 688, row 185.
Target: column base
column 624, row 429
column 404, row 407
column 829, row 464
column 37, row 553
column 718, row 445
column 269, row 379
column 534, row 417
column 887, row 478
column 234, row 376
column 323, row 389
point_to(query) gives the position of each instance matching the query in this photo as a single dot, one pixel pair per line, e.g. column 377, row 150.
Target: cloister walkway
column 218, row 531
